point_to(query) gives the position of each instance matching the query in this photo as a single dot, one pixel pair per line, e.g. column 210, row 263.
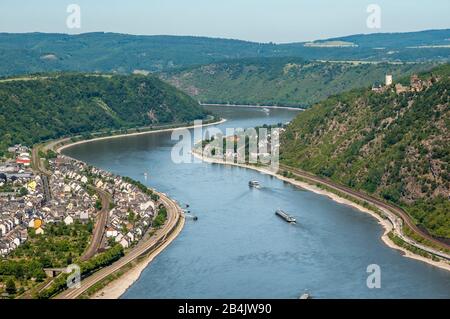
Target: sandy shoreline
column 386, row 224
column 118, row 287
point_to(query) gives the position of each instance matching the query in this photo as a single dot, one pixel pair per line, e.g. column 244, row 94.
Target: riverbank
column 256, row 106
column 156, row 244
column 385, row 223
column 63, row 147
column 119, row 286
column 148, row 249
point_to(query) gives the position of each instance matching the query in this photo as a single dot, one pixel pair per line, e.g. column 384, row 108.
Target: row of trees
column 88, row 267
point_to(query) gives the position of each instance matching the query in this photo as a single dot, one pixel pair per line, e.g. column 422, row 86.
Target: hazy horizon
column 283, row 21
column 213, row 37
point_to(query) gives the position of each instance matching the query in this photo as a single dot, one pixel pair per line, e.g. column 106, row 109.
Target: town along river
column 238, row 248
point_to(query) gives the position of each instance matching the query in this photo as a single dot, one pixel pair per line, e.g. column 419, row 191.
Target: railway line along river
column 238, row 248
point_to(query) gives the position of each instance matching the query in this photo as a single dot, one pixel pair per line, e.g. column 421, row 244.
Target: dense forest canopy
column 281, row 81
column 68, row 104
column 396, row 146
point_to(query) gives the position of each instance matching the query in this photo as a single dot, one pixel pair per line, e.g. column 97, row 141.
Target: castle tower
column 389, row 79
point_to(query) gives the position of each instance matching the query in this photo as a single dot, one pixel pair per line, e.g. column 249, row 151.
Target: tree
column 131, row 216
column 11, row 287
column 23, row 191
column 98, row 205
column 69, row 259
column 51, row 154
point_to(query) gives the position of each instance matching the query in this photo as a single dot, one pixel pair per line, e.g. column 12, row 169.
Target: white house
column 111, row 232
column 2, row 230
column 68, row 220
column 16, row 241
column 130, row 236
column 147, row 205
column 138, row 231
column 84, row 215
column 124, row 242
column 119, row 237
column 3, row 249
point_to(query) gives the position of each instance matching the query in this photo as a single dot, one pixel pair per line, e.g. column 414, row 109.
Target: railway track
column 162, row 237
column 386, row 207
column 100, row 226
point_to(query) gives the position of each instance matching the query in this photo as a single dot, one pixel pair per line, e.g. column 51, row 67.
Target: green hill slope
column 395, row 146
column 280, row 81
column 124, row 53
column 45, row 108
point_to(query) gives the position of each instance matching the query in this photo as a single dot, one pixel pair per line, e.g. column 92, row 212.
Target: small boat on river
column 281, row 213
column 305, row 295
column 254, row 184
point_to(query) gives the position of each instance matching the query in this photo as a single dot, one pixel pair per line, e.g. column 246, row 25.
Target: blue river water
column 239, row 249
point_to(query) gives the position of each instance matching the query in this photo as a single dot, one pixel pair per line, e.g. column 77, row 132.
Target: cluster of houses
column 262, row 151
column 70, row 199
column 21, row 211
column 73, row 198
column 13, row 226
column 416, row 85
column 132, row 211
column 22, row 154
column 20, row 198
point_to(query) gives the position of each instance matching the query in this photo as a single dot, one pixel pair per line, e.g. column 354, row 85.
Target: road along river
column 238, row 248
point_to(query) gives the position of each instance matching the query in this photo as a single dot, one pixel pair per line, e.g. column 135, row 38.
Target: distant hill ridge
column 280, row 81
column 112, row 52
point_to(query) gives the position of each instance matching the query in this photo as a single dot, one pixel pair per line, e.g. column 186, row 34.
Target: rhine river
column 238, row 248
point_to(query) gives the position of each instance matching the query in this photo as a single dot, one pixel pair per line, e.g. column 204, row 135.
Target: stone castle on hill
column 416, row 84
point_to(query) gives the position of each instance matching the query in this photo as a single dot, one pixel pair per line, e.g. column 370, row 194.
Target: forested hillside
column 124, row 53
column 393, row 145
column 280, row 81
column 58, row 105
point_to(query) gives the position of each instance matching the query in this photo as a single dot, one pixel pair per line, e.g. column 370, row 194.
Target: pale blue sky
column 255, row 20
